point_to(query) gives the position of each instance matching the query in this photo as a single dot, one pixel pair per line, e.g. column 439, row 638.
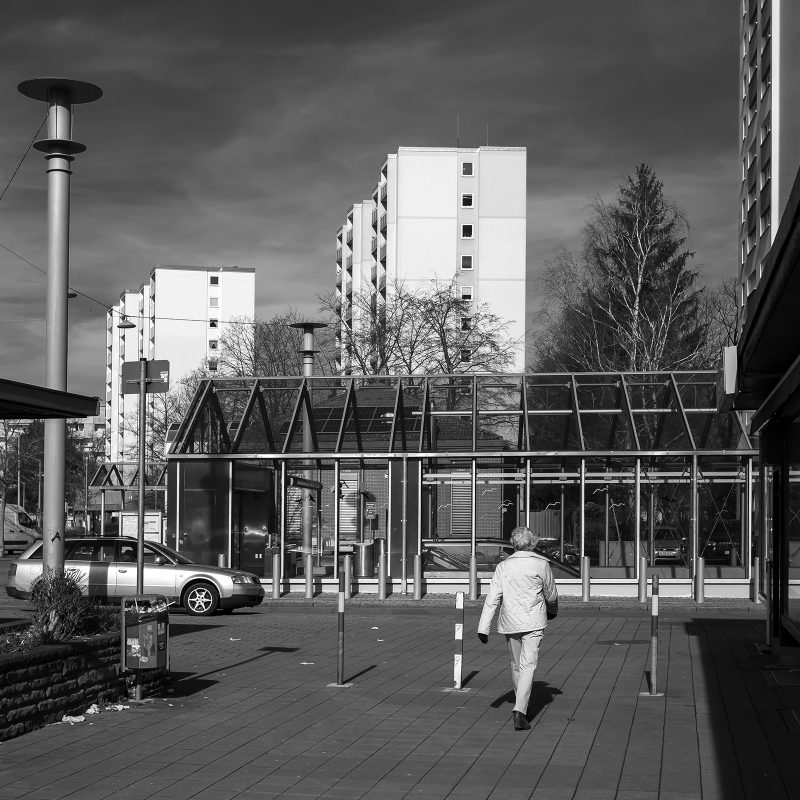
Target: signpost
column 143, row 377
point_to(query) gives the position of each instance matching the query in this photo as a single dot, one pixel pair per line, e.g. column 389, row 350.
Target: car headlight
column 244, row 579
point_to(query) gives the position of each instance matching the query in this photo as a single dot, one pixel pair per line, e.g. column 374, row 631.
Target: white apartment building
column 769, row 73
column 179, row 315
column 436, row 213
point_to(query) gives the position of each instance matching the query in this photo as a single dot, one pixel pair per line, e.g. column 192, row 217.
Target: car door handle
column 122, row 570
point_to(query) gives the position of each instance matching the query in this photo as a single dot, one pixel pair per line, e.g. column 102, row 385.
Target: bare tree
column 427, row 329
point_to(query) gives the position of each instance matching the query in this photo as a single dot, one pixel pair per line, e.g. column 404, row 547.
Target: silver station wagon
column 107, row 567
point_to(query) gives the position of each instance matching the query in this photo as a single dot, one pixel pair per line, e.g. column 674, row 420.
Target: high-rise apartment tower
column 179, row 315
column 439, row 213
column 769, row 129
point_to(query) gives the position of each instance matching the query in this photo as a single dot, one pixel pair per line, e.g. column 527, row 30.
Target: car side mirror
column 159, row 561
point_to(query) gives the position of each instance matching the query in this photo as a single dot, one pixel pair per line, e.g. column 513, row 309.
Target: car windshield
column 171, row 554
column 25, row 520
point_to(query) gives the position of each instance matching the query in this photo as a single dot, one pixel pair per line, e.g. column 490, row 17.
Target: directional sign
column 157, row 377
column 303, row 483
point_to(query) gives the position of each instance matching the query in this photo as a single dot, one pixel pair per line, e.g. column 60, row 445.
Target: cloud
column 241, row 133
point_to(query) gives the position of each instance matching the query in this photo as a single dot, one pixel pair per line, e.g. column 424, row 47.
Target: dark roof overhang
column 26, row 401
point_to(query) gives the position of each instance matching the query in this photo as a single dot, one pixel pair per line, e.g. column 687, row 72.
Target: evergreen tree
column 633, row 303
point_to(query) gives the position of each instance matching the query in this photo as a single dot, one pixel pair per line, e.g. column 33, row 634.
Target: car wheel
column 201, row 599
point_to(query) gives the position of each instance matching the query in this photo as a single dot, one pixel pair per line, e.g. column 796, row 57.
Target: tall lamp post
column 60, row 94
column 307, row 351
column 88, row 450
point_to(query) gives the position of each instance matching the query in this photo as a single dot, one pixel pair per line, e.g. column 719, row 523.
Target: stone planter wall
column 44, row 684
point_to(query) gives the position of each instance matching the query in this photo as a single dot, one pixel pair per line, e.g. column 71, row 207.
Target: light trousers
column 524, row 651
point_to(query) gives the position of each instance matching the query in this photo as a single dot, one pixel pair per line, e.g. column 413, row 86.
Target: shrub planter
column 41, row 685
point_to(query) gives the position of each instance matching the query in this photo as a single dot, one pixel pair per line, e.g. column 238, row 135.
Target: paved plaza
column 252, row 715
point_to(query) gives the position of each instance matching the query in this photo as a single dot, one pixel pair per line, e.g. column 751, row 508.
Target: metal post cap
column 80, row 91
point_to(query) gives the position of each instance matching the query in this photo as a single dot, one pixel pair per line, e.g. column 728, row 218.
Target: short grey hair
column 524, row 538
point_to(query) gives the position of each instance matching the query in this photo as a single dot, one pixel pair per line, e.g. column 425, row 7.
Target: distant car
column 453, row 554
column 107, row 566
column 20, row 530
column 719, row 548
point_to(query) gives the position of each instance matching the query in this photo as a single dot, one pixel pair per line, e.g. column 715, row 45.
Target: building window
column 466, row 168
column 214, row 280
column 466, row 356
column 466, row 201
column 212, row 364
column 466, row 262
column 764, row 224
column 466, row 293
column 213, row 323
column 213, row 344
column 466, row 231
column 466, row 323
column 213, row 302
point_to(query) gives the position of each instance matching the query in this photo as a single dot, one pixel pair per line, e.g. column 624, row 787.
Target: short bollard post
column 756, row 580
column 340, row 660
column 276, row 576
column 473, row 577
column 381, row 569
column 654, row 638
column 347, row 568
column 418, row 577
column 459, row 640
column 768, row 598
column 699, row 581
column 309, row 570
column 642, row 580
column 586, row 586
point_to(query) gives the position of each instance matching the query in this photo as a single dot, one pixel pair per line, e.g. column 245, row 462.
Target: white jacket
column 520, row 585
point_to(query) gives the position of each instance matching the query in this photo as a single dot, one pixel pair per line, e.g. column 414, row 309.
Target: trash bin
column 145, row 631
column 363, row 559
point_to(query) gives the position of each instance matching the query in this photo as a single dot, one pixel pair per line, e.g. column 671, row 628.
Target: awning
column 26, row 401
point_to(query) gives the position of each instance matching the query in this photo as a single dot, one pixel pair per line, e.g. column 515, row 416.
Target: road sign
column 370, row 510
column 157, row 377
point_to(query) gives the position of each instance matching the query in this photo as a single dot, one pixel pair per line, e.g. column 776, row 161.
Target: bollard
column 768, row 599
column 699, row 581
column 381, row 569
column 340, row 659
column 459, row 640
column 309, row 570
column 756, row 579
column 734, row 556
column 347, row 569
column 473, row 577
column 654, row 638
column 276, row 576
column 418, row 577
column 586, row 589
column 642, row 580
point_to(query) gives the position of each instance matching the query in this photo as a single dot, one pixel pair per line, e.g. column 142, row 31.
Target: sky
column 241, row 133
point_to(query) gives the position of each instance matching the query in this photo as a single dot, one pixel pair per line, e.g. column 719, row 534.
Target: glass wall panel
column 793, row 544
column 204, row 528
column 721, row 520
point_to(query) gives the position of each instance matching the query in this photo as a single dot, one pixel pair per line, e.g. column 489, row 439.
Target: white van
column 21, row 530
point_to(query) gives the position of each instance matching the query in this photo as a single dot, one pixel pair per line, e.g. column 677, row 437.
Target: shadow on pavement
column 359, row 674
column 180, row 629
column 542, row 695
column 185, row 684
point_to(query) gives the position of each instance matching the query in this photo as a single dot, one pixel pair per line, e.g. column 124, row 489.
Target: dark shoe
column 520, row 721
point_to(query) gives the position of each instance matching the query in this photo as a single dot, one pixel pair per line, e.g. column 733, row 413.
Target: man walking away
column 524, row 589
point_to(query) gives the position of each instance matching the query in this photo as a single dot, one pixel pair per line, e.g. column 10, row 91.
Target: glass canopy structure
column 615, row 467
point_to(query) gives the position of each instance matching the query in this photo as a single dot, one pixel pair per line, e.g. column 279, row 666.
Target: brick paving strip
column 252, row 714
